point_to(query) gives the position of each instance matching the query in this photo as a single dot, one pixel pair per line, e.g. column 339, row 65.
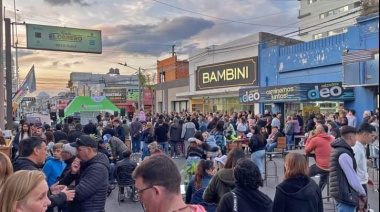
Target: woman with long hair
column 198, row 183
column 24, row 133
column 218, row 134
column 223, row 181
column 148, row 138
column 297, row 192
column 257, row 145
column 6, row 168
column 50, row 141
column 25, row 191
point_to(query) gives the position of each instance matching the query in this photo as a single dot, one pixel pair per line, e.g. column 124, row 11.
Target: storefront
column 320, row 98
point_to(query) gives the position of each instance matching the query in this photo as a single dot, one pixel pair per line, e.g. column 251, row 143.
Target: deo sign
column 328, row 91
column 228, row 74
column 252, row 96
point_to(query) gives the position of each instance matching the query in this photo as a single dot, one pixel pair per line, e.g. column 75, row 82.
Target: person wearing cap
column 91, row 190
column 117, row 146
column 345, row 186
column 68, row 156
column 221, row 161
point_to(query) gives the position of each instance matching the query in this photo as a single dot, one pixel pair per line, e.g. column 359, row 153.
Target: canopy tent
column 90, row 104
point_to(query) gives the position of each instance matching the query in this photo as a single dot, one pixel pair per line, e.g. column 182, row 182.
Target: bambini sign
column 297, row 93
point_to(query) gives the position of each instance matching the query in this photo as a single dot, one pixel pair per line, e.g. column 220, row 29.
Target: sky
column 140, row 32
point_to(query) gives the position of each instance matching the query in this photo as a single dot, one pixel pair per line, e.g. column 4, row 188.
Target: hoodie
column 321, row 145
column 299, row 193
column 53, row 168
column 251, row 200
column 23, row 163
column 220, row 184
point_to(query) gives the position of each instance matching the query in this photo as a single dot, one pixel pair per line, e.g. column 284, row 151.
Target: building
column 122, row 90
column 172, row 78
column 321, row 18
column 325, row 75
column 218, row 72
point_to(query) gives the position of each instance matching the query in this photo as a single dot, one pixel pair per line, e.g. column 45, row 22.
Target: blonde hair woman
column 25, row 191
column 6, row 169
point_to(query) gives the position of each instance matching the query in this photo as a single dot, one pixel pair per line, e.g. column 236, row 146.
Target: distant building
column 321, row 18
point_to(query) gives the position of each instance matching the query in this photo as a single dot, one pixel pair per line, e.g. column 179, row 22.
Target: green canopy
column 89, row 104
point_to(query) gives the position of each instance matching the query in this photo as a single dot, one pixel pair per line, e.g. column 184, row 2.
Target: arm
column 279, row 202
column 189, row 191
column 183, row 131
column 346, row 163
column 57, row 200
column 113, row 148
column 310, row 146
column 89, row 183
column 210, row 195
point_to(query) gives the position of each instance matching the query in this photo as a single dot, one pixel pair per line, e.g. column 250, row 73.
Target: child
column 54, row 166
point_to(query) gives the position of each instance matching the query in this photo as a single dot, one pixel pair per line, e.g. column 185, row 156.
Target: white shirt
column 361, row 161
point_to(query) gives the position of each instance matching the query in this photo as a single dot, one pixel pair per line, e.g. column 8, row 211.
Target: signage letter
column 336, row 91
column 314, row 93
column 325, row 92
column 206, row 78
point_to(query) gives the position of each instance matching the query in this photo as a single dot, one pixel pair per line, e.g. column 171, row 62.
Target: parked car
column 35, row 120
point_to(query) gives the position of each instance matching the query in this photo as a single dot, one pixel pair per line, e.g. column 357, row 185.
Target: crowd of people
column 71, row 168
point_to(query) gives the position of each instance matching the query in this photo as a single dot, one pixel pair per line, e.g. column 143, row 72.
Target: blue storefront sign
column 333, row 91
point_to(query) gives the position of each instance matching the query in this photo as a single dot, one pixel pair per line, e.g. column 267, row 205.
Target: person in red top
column 320, row 142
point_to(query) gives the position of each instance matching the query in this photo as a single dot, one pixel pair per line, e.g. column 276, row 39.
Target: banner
column 28, row 86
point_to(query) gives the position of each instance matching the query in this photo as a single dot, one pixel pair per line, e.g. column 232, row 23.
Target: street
column 269, row 189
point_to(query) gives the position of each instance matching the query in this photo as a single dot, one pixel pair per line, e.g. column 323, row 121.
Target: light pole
column 141, row 82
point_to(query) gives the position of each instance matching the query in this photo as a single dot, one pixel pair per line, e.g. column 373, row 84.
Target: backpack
column 289, row 129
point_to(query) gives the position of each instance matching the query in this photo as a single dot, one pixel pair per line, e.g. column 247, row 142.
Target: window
column 317, row 36
column 339, row 10
column 312, row 1
column 322, row 16
column 337, row 31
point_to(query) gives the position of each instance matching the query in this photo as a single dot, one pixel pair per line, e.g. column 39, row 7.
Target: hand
column 362, row 203
column 370, row 182
column 75, row 166
column 198, row 142
column 55, row 189
column 70, row 194
column 111, row 158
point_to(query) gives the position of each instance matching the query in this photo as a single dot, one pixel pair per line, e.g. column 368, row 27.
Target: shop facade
column 320, row 63
column 217, row 73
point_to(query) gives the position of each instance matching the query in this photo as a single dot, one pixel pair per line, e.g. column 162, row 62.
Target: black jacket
column 340, row 189
column 92, row 185
column 108, row 131
column 161, row 133
column 123, row 171
column 23, row 163
column 257, row 143
column 299, row 193
column 247, row 200
column 175, row 133
column 120, row 132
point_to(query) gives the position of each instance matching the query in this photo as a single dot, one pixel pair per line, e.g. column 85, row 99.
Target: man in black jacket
column 90, row 128
column 32, row 157
column 73, row 135
column 345, row 186
column 59, row 134
column 119, row 130
column 124, row 169
column 92, row 175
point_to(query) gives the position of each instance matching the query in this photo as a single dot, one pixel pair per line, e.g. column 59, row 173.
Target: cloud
column 153, row 39
column 65, row 2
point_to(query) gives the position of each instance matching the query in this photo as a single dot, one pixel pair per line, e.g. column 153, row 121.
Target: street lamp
column 141, row 80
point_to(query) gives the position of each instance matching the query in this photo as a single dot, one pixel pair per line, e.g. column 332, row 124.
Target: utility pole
column 173, row 51
column 8, row 64
column 139, row 87
column 2, row 91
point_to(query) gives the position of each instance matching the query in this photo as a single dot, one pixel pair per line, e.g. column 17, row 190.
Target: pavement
column 269, row 189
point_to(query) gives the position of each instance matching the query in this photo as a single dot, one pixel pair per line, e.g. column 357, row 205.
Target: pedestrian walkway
column 270, row 189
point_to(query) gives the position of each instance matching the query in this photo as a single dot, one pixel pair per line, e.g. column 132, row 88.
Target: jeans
column 374, row 153
column 186, row 146
column 145, row 151
column 111, row 173
column 270, row 146
column 165, row 147
column 324, row 175
column 174, row 148
column 192, row 159
column 135, row 145
column 258, row 158
column 289, row 140
column 345, row 207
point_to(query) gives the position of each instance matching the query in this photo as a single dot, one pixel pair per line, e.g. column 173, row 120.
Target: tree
column 369, row 7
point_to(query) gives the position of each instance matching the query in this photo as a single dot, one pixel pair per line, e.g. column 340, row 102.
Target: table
column 301, row 152
column 232, row 144
column 298, row 137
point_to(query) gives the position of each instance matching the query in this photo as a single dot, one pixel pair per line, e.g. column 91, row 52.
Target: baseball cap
column 106, row 137
column 86, row 141
column 222, row 159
